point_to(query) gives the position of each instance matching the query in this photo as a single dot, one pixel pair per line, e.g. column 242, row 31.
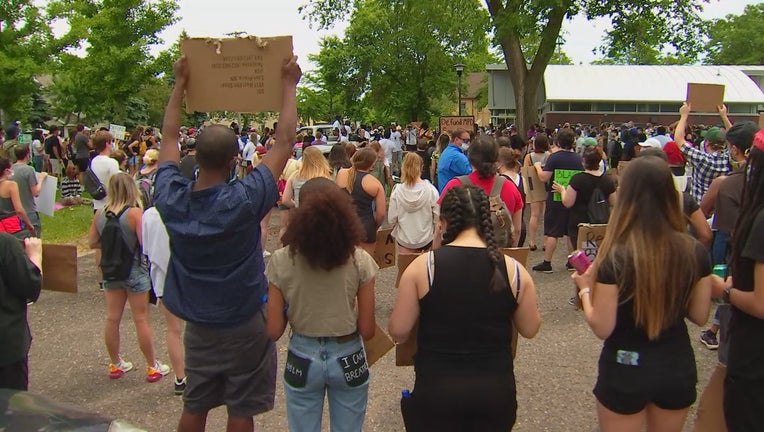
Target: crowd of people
column 181, row 218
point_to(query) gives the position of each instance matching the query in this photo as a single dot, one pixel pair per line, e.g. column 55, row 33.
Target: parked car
column 329, row 135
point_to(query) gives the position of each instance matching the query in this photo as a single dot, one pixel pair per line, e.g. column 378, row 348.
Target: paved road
column 555, row 371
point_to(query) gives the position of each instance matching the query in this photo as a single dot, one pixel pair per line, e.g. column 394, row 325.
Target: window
column 560, row 106
column 625, row 107
column 741, row 109
column 670, row 108
column 580, row 106
column 648, row 107
column 603, row 106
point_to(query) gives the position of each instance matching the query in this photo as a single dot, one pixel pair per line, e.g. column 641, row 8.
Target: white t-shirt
column 156, row 246
column 411, row 136
column 104, row 167
column 249, row 151
column 388, row 147
column 395, row 136
column 37, row 148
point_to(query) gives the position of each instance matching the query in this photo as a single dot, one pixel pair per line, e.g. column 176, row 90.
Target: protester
column 188, row 166
column 539, row 154
column 381, row 169
column 20, row 283
column 464, row 382
column 215, row 279
column 368, row 195
column 123, row 203
column 338, row 159
column 414, row 208
column 292, row 166
column 636, row 303
column 743, row 398
column 135, row 149
column 54, row 152
column 8, row 149
column 556, row 215
column 156, row 246
column 82, row 148
column 30, row 184
column 322, row 283
column 453, row 161
column 313, row 164
column 13, row 217
column 509, row 168
column 484, row 155
column 38, row 151
column 440, row 146
column 103, row 165
column 71, row 188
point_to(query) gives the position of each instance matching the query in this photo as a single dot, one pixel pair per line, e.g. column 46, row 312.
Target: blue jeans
column 318, row 366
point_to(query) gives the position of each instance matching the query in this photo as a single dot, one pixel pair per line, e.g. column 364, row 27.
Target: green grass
column 69, row 225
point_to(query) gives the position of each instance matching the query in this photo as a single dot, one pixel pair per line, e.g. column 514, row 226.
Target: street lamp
column 459, row 67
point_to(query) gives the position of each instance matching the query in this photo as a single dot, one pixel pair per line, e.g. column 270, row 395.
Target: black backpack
column 93, row 185
column 598, row 209
column 116, row 255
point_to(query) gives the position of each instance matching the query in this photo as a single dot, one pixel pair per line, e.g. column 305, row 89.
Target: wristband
column 584, row 292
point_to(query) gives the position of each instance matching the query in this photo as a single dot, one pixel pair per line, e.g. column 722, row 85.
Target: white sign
column 118, row 131
column 46, row 201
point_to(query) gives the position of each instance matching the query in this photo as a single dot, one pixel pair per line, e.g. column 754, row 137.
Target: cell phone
column 579, row 261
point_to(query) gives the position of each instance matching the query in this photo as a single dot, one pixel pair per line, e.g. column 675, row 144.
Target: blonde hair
column 151, row 156
column 314, row 164
column 122, row 192
column 411, row 170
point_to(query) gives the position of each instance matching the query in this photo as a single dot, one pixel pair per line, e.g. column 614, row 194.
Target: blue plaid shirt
column 705, row 168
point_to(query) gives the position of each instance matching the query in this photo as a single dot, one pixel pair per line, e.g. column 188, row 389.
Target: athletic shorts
column 556, row 220
column 626, row 389
column 231, row 366
column 743, row 404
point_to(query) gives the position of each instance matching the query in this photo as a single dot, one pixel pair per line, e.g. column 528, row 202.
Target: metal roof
column 638, row 83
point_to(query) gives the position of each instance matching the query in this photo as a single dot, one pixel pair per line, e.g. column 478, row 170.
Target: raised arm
column 171, row 126
column 281, row 151
column 684, row 114
column 723, row 114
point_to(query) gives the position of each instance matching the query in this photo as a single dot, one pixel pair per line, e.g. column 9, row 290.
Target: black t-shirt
column 746, row 335
column 626, row 335
column 188, row 166
column 50, row 143
column 584, row 184
column 426, row 162
column 562, row 159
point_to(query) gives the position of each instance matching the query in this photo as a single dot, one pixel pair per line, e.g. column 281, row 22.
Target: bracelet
column 584, row 292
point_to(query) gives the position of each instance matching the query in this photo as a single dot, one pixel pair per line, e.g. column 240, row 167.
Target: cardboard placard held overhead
column 535, row 189
column 452, row 123
column 384, row 251
column 59, row 268
column 705, row 98
column 240, row 74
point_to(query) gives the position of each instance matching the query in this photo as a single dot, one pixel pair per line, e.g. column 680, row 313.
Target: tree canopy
column 737, row 39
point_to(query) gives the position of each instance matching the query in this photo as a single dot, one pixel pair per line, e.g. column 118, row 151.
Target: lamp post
column 459, row 67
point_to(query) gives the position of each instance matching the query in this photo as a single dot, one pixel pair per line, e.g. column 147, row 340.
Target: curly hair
column 466, row 207
column 329, row 228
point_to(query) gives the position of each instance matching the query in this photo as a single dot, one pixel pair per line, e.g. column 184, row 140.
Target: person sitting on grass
column 71, row 188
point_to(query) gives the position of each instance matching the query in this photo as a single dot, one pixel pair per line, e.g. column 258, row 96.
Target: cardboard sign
column 404, row 352
column 452, row 123
column 59, row 268
column 384, row 251
column 710, row 414
column 378, row 346
column 705, row 98
column 521, row 256
column 590, row 237
column 403, row 261
column 535, row 189
column 25, row 139
column 761, row 120
column 563, row 177
column 237, row 74
column 118, row 131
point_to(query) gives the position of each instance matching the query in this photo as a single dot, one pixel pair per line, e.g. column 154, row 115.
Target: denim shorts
column 132, row 160
column 137, row 282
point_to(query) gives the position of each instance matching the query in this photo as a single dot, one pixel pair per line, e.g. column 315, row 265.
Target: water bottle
column 406, row 394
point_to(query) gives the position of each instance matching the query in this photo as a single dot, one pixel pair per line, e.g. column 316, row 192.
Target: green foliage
column 737, row 39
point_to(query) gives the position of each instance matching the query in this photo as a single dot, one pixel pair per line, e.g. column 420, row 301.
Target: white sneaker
column 156, row 372
column 116, row 371
column 266, row 254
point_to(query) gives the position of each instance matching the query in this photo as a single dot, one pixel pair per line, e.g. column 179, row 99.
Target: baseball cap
column 714, row 135
column 651, row 143
column 589, row 141
column 191, row 131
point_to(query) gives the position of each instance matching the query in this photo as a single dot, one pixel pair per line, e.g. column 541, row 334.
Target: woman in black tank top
column 467, row 297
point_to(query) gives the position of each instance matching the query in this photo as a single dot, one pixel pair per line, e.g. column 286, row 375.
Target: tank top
column 728, row 201
column 296, row 186
column 131, row 238
column 6, row 207
column 464, row 327
column 535, row 158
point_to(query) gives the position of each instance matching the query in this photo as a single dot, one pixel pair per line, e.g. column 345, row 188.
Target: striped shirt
column 70, row 188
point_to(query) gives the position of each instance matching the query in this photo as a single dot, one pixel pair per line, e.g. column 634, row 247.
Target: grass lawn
column 69, row 225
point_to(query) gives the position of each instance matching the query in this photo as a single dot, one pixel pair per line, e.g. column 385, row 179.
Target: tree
column 24, row 53
column 658, row 23
column 737, row 39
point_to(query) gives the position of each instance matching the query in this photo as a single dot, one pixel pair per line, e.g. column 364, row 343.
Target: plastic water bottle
column 406, row 393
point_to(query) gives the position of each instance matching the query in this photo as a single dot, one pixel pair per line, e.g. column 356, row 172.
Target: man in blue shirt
column 215, row 279
column 453, row 162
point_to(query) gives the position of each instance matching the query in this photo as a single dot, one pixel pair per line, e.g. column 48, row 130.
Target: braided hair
column 466, row 207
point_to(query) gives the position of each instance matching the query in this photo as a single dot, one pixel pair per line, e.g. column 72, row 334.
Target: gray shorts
column 231, row 366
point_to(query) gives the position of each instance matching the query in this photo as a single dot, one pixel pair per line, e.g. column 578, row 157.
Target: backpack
column 93, row 185
column 116, row 255
column 598, row 209
column 146, row 186
column 501, row 218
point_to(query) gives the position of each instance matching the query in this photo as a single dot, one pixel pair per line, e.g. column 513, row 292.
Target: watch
column 726, row 294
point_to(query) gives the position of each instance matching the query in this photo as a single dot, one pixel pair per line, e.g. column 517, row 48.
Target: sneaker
column 156, row 372
column 708, row 338
column 266, row 254
column 180, row 386
column 544, row 267
column 569, row 267
column 119, row 369
column 572, row 301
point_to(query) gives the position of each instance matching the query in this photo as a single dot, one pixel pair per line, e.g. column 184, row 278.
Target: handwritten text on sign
column 452, row 123
column 563, row 177
column 590, row 238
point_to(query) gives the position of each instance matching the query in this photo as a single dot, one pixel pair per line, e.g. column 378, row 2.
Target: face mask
column 465, row 146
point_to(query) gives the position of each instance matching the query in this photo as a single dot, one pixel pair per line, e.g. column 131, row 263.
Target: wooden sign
column 452, row 123
column 59, row 268
column 705, row 98
column 535, row 189
column 590, row 237
column 563, row 177
column 240, row 74
column 384, row 251
column 378, row 346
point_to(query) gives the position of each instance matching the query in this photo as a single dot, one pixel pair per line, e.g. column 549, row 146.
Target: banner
column 384, row 251
column 240, row 74
column 705, row 98
column 59, row 268
column 562, row 177
column 452, row 123
column 535, row 189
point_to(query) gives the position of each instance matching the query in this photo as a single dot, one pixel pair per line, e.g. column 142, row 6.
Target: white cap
column 651, row 143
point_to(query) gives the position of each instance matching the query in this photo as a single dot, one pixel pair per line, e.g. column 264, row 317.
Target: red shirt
column 675, row 156
column 509, row 192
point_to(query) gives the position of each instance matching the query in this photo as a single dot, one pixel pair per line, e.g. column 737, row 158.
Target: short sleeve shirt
column 25, row 176
column 320, row 303
column 584, row 185
column 452, row 163
column 561, row 160
column 104, row 167
column 216, row 271
column 509, row 192
column 81, row 148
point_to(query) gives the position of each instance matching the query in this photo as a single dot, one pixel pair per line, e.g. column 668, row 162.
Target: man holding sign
column 559, row 167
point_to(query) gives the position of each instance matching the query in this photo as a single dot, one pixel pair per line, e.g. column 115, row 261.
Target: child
column 71, row 189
